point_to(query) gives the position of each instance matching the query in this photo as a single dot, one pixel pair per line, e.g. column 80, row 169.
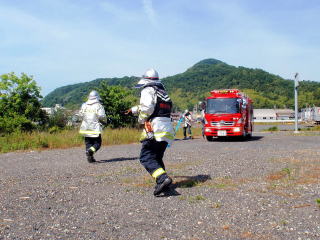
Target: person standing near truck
column 154, row 112
column 187, row 124
column 93, row 115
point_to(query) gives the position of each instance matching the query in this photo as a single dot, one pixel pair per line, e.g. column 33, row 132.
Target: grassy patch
column 274, row 123
column 283, row 222
column 196, row 131
column 304, row 169
column 63, row 139
column 280, row 178
column 318, row 202
column 195, row 199
column 216, row 205
column 138, row 181
column 305, row 133
column 222, row 183
column 182, row 197
column 311, row 128
column 190, row 181
column 39, row 140
column 70, row 138
column 271, row 129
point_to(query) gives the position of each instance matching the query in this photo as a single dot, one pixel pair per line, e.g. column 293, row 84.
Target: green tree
column 59, row 118
column 116, row 100
column 20, row 108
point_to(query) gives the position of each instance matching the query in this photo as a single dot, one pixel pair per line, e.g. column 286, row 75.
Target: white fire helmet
column 185, row 111
column 94, row 95
column 149, row 76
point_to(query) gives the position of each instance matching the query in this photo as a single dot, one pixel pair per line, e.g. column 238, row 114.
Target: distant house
column 316, row 114
column 264, row 114
column 310, row 114
column 51, row 111
column 284, row 114
column 306, row 114
column 272, row 114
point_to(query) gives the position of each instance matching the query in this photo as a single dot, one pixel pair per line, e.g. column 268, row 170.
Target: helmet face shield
column 143, row 81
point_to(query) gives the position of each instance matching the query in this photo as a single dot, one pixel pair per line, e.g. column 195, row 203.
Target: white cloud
column 33, row 28
column 119, row 12
column 149, row 10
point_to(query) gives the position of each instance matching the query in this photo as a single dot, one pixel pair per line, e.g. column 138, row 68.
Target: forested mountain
column 73, row 95
column 188, row 88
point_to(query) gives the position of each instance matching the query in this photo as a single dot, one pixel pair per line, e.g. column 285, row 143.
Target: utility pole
column 296, row 85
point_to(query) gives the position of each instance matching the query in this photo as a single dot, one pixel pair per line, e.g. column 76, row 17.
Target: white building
column 51, row 111
column 262, row 115
column 310, row 114
column 269, row 115
column 284, row 114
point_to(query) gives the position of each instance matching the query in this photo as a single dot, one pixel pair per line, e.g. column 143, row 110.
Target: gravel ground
column 265, row 188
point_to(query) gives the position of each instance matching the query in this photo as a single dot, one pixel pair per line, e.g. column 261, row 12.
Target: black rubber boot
column 162, row 186
column 90, row 157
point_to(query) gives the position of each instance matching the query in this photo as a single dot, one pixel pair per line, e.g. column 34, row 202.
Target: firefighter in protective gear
column 93, row 115
column 154, row 112
column 187, row 124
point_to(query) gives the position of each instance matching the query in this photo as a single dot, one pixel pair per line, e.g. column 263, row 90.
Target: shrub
column 20, row 108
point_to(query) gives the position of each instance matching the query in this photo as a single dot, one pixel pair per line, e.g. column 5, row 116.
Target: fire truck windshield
column 222, row 105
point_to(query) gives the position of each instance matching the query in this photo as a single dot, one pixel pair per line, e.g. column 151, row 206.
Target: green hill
column 74, row 95
column 188, row 88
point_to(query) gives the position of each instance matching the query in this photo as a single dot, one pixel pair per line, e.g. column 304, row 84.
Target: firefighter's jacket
column 187, row 119
column 149, row 110
column 92, row 113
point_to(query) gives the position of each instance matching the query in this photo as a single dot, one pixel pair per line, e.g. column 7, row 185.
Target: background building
column 264, row 115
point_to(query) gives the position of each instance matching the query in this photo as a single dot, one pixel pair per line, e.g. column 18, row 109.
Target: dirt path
column 265, row 188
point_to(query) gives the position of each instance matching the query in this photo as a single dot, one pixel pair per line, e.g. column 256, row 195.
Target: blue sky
column 62, row 42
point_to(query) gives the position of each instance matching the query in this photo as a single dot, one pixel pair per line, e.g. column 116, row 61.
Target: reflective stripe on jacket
column 91, row 112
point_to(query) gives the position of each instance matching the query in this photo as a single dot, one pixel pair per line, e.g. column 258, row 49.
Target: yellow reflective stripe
column 158, row 172
column 143, row 135
column 143, row 115
column 93, row 149
column 89, row 132
column 164, row 134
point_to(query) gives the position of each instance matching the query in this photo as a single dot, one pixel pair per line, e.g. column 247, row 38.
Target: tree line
column 21, row 102
column 20, row 106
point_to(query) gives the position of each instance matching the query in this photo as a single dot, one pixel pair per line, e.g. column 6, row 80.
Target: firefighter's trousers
column 93, row 143
column 151, row 156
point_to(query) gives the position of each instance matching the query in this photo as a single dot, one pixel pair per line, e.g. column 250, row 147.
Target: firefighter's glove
column 128, row 112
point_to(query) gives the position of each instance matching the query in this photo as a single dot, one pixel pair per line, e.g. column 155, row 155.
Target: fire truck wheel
column 209, row 138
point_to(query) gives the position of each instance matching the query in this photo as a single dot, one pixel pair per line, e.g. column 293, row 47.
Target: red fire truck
column 228, row 112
